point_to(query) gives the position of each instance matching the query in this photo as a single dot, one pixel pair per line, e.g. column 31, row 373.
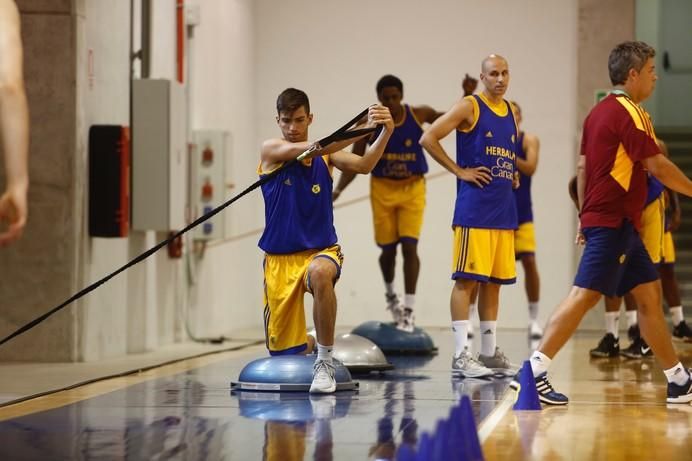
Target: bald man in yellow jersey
column 485, row 214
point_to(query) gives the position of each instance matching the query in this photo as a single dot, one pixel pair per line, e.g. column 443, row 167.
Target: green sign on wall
column 600, row 94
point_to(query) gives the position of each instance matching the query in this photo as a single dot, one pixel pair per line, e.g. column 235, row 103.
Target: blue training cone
column 440, row 449
column 405, row 453
column 471, row 443
column 528, row 395
column 424, row 448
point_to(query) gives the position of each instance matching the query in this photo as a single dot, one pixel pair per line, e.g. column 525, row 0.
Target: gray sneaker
column 498, row 363
column 394, row 307
column 323, row 381
column 469, row 367
column 407, row 321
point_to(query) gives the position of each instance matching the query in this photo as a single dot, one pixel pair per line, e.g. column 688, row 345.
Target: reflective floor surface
column 193, row 416
column 617, row 412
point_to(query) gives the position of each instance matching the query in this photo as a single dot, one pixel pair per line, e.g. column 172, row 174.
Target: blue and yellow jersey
column 298, row 209
column 523, row 193
column 403, row 156
column 654, row 188
column 490, row 142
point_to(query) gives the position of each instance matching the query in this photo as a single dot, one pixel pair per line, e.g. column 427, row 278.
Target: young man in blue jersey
column 525, row 238
column 485, row 213
column 299, row 240
column 397, row 195
column 671, row 291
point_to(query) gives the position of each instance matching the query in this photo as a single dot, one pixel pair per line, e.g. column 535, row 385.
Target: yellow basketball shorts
column 486, row 255
column 285, row 283
column 397, row 208
column 668, row 249
column 283, row 440
column 524, row 240
column 653, row 228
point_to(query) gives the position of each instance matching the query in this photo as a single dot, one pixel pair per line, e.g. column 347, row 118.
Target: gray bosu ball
column 359, row 354
column 394, row 341
column 287, row 373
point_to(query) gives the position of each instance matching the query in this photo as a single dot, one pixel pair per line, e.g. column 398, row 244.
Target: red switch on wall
column 207, row 190
column 175, row 246
column 207, row 156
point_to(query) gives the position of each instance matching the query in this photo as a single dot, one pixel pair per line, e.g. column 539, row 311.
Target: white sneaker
column 469, row 367
column 323, row 406
column 535, row 331
column 407, row 321
column 323, row 381
column 394, row 307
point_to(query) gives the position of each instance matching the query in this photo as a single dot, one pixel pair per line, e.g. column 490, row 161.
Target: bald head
column 495, row 76
column 492, row 60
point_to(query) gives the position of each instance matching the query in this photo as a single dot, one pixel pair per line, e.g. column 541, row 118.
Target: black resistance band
column 341, row 134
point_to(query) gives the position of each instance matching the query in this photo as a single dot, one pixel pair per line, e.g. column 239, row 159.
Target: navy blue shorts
column 614, row 261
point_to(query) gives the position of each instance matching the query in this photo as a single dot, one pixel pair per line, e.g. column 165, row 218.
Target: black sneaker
column 638, row 349
column 682, row 332
column 609, row 346
column 680, row 394
column 547, row 394
column 633, row 332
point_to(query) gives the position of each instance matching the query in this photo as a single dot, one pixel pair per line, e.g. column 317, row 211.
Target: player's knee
column 584, row 298
column 529, row 262
column 409, row 250
column 321, row 274
column 666, row 271
column 388, row 253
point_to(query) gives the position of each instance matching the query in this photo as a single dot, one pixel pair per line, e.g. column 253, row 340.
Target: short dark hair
column 626, row 56
column 389, row 80
column 290, row 100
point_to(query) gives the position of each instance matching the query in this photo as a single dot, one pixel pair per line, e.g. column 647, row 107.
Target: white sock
column 677, row 374
column 461, row 330
column 323, row 428
column 488, row 337
column 472, row 313
column 409, row 301
column 612, row 321
column 533, row 311
column 539, row 363
column 631, row 318
column 676, row 314
column 389, row 288
column 324, row 352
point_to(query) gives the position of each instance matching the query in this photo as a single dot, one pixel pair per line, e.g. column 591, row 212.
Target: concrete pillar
column 38, row 272
column 602, row 25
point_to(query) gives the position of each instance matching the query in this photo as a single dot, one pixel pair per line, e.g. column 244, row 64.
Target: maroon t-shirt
column 617, row 135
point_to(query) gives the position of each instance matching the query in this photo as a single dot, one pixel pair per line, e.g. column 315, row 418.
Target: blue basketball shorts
column 614, row 261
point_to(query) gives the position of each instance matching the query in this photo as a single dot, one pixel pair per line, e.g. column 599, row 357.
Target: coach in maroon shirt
column 618, row 147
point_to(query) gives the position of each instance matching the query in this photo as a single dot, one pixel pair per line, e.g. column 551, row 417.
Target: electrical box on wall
column 208, row 181
column 159, row 150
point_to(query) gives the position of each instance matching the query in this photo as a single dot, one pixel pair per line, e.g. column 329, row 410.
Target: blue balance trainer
column 287, row 373
column 394, row 341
